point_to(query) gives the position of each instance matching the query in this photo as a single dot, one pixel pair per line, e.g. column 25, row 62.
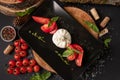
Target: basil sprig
column 44, row 76
column 69, row 52
column 107, row 41
column 92, row 26
column 53, row 19
column 26, row 12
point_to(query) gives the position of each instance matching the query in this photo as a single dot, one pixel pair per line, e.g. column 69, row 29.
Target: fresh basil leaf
column 107, row 41
column 53, row 19
column 26, row 12
column 67, row 53
column 74, row 50
column 92, row 26
column 36, row 77
column 45, row 75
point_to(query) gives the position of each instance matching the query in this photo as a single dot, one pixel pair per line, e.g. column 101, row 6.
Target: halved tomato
column 47, row 29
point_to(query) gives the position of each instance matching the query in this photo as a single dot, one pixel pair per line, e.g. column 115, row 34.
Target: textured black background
column 111, row 70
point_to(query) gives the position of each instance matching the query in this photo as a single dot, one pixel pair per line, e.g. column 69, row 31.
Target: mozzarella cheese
column 61, row 38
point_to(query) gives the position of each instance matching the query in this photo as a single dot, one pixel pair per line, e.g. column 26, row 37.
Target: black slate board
column 91, row 46
column 113, row 26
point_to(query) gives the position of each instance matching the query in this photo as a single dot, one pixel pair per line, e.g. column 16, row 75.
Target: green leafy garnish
column 54, row 19
column 44, row 76
column 107, row 41
column 67, row 53
column 92, row 26
column 61, row 57
column 26, row 12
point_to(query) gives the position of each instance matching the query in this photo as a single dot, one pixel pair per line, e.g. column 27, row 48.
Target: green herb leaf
column 93, row 26
column 36, row 77
column 67, row 53
column 26, row 12
column 45, row 75
column 107, row 41
column 53, row 19
column 74, row 50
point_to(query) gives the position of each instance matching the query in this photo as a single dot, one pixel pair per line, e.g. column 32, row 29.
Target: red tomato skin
column 12, row 63
column 17, row 49
column 78, row 61
column 78, row 47
column 19, row 63
column 41, row 20
column 16, row 43
column 24, row 46
column 25, row 62
column 23, row 69
column 36, row 68
column 72, row 57
column 52, row 32
column 10, row 70
column 23, row 53
column 29, row 69
column 49, row 29
column 32, row 62
column 16, row 71
column 17, row 56
column 22, row 40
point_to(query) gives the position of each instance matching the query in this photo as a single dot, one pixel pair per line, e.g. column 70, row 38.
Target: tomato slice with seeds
column 47, row 29
column 79, row 57
column 41, row 20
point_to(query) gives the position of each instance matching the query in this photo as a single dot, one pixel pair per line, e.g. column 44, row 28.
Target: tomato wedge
column 41, row 20
column 77, row 48
column 78, row 61
column 47, row 29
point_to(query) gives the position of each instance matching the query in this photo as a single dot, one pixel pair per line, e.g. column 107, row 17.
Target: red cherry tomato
column 72, row 57
column 19, row 63
column 17, row 43
column 16, row 71
column 22, row 41
column 17, row 49
column 78, row 61
column 23, row 69
column 47, row 29
column 17, row 56
column 10, row 70
column 12, row 63
column 25, row 62
column 23, row 53
column 41, row 20
column 36, row 68
column 24, row 46
column 32, row 62
column 29, row 69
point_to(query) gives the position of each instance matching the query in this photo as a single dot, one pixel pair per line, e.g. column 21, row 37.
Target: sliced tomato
column 78, row 47
column 41, row 20
column 52, row 32
column 47, row 29
column 79, row 59
column 72, row 57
